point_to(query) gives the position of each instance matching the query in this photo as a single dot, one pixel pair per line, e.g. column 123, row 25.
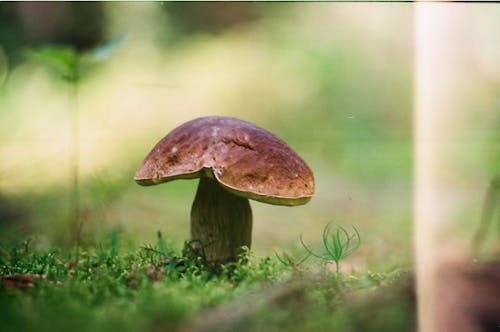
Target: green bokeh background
column 334, row 80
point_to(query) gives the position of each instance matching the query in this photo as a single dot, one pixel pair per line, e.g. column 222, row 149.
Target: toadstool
column 235, row 161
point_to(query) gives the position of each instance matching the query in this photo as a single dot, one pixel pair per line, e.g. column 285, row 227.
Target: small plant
column 290, row 261
column 71, row 66
column 338, row 244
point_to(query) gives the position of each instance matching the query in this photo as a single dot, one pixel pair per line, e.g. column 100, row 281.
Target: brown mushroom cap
column 244, row 158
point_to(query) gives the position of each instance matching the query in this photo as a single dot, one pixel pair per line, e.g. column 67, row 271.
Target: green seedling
column 71, row 66
column 338, row 244
column 290, row 261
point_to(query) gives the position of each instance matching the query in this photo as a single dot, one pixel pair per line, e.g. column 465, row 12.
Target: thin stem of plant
column 75, row 212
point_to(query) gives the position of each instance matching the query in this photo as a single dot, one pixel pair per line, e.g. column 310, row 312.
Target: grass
column 158, row 288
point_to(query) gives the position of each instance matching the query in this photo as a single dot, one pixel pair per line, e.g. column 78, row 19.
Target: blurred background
column 333, row 80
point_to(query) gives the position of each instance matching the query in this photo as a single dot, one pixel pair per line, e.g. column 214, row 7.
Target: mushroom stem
column 220, row 221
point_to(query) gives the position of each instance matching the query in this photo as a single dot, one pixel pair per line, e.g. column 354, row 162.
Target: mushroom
column 235, row 160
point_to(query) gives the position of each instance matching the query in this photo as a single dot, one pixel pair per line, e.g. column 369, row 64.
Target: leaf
column 309, row 250
column 61, row 58
column 68, row 63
